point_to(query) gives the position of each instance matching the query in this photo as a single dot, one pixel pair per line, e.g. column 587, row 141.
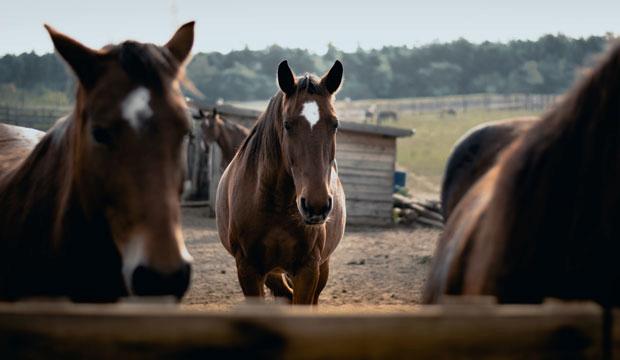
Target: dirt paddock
column 371, row 269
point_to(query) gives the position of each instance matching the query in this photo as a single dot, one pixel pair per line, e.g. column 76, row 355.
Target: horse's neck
column 39, row 188
column 226, row 141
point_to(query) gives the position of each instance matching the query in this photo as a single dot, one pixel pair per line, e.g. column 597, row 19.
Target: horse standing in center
column 280, row 206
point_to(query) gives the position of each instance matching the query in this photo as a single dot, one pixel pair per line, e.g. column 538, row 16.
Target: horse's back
column 16, row 143
column 474, row 154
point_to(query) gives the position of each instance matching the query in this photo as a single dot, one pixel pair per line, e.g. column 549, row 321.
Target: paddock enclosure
column 366, row 156
column 479, row 331
column 364, row 321
column 341, row 327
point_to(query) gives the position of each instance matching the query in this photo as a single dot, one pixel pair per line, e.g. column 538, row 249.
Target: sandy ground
column 373, row 269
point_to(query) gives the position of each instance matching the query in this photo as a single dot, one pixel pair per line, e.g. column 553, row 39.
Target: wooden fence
column 356, row 110
column 550, row 331
column 43, row 118
column 38, row 118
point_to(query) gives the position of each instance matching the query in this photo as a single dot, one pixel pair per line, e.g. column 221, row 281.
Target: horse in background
column 543, row 221
column 226, row 134
column 474, row 154
column 385, row 115
column 92, row 210
column 280, row 207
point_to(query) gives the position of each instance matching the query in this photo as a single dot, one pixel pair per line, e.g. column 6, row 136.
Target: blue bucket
column 400, row 180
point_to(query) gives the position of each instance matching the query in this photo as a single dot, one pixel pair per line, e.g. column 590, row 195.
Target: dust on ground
column 372, row 268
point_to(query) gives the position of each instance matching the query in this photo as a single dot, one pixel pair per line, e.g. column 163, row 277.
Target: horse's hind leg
column 279, row 286
column 323, row 275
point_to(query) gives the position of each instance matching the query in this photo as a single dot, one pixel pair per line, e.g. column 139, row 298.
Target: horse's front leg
column 323, row 275
column 305, row 282
column 252, row 281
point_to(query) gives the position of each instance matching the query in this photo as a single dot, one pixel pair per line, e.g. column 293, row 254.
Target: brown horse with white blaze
column 280, row 205
column 92, row 211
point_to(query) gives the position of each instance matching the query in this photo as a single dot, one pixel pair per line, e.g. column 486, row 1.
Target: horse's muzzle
column 315, row 215
column 146, row 281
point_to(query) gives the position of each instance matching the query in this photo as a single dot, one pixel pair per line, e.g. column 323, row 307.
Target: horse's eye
column 287, row 125
column 336, row 125
column 102, row 136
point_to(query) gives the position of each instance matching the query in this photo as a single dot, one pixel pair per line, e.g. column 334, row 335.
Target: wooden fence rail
column 431, row 332
column 38, row 118
column 458, row 103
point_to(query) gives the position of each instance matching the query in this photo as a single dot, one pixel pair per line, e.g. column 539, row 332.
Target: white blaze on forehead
column 135, row 106
column 311, row 112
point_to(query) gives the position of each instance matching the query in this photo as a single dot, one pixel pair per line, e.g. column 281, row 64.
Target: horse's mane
column 263, row 142
column 558, row 184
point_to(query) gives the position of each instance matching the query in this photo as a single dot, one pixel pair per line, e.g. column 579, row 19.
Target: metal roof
column 374, row 129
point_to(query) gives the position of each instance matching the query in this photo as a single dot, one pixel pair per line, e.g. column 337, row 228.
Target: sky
column 226, row 25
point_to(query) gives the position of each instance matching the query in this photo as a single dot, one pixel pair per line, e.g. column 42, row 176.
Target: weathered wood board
column 125, row 331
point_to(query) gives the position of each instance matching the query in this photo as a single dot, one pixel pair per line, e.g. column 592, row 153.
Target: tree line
column 544, row 66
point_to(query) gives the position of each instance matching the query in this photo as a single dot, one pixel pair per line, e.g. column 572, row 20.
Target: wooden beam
column 153, row 331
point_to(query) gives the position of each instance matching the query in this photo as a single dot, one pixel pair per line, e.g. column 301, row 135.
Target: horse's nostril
column 304, row 205
column 147, row 281
column 328, row 208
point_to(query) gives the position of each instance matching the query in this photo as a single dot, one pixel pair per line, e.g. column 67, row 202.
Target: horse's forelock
column 311, row 85
column 146, row 64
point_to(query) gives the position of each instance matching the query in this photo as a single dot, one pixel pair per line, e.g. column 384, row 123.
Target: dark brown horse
column 474, row 154
column 280, row 205
column 543, row 222
column 92, row 211
column 227, row 134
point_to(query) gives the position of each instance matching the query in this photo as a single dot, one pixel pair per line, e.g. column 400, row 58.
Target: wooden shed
column 366, row 156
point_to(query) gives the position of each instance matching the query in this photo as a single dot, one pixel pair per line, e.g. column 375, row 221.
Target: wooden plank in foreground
column 451, row 331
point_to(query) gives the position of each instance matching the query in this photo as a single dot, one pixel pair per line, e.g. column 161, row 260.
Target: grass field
column 424, row 155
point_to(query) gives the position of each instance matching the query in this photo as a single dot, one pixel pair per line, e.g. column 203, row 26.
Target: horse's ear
column 286, row 78
column 333, row 79
column 84, row 62
column 181, row 42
